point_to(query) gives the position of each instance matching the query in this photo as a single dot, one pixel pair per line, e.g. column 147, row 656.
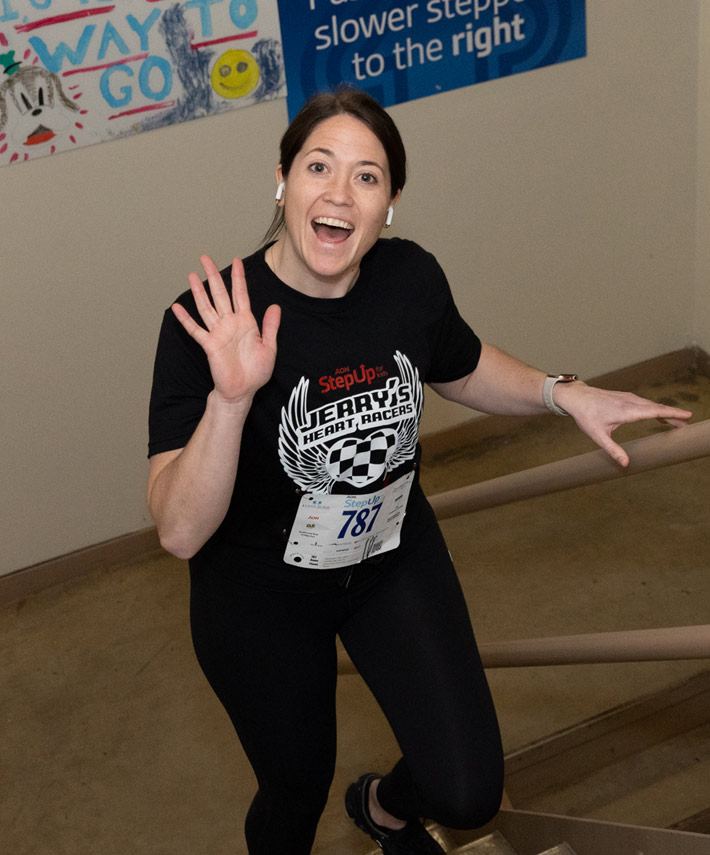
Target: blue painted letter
column 205, row 14
column 143, row 29
column 126, row 91
column 111, row 34
column 144, row 77
column 53, row 61
column 243, row 12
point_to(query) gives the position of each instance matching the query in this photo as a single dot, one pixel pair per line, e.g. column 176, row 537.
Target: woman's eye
column 368, row 178
column 317, row 167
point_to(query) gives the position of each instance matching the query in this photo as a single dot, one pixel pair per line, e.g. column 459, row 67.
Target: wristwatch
column 550, row 382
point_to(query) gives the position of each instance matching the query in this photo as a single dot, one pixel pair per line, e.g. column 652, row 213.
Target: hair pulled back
column 324, row 105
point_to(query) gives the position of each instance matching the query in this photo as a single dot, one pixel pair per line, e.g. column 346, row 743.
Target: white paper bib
column 334, row 531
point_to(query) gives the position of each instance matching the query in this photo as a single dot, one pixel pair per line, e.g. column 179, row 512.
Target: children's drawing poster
column 399, row 50
column 76, row 72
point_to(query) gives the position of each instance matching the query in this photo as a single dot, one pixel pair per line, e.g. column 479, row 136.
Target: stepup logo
column 356, row 439
column 344, row 378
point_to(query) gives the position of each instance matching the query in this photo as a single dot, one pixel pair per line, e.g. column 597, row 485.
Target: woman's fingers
column 613, row 449
column 270, row 326
column 599, row 413
column 217, row 303
column 192, row 328
column 220, row 297
column 676, row 423
column 220, row 303
column 202, row 301
column 240, row 294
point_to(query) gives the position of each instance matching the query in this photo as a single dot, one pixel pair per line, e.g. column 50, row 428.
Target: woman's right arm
column 189, row 489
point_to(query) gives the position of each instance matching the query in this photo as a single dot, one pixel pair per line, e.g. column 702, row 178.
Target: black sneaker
column 413, row 839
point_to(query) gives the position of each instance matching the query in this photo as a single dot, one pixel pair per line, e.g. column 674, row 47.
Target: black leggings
column 265, row 639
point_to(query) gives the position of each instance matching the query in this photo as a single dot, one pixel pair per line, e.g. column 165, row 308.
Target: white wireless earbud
column 280, row 191
column 390, row 214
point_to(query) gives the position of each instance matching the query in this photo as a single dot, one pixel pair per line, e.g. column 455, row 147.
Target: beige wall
column 561, row 203
column 702, row 279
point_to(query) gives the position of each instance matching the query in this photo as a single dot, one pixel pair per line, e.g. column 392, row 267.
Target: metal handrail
column 645, row 645
column 651, row 452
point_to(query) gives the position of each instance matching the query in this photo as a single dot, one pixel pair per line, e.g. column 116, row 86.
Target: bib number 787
column 359, row 522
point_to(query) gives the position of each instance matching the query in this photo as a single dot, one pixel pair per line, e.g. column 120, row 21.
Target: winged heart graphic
column 358, row 458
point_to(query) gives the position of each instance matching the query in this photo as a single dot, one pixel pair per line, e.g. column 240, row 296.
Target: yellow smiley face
column 235, row 74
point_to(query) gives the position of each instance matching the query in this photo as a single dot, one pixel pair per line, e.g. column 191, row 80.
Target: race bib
column 334, row 531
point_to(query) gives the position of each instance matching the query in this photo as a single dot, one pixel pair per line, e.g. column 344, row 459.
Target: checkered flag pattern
column 361, row 461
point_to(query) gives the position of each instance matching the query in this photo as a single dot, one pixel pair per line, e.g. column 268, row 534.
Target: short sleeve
column 181, row 384
column 455, row 347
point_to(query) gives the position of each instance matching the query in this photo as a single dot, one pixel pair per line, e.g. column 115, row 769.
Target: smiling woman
column 335, row 199
column 344, row 102
column 288, row 476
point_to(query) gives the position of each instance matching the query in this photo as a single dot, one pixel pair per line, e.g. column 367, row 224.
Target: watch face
column 563, row 378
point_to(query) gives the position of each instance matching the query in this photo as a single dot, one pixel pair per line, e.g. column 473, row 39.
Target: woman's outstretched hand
column 599, row 413
column 241, row 357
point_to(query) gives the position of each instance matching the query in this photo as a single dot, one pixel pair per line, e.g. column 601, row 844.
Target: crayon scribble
column 269, row 58
column 192, row 67
column 193, row 70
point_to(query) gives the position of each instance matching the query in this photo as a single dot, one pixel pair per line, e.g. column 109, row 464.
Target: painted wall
column 702, row 282
column 561, row 203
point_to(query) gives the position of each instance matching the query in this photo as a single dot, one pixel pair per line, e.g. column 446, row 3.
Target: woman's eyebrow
column 329, row 153
column 370, row 163
column 325, row 151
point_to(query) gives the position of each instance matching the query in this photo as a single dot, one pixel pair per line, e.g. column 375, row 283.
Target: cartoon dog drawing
column 33, row 107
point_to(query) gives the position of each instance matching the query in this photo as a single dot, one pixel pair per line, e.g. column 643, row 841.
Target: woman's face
column 335, row 203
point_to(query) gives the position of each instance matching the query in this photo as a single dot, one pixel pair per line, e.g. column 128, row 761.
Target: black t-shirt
column 340, row 413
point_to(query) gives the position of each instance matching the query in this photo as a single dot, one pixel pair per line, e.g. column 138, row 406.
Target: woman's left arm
column 502, row 384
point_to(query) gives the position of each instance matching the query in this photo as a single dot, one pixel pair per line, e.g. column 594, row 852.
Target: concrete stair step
column 441, row 835
column 660, row 786
column 515, row 832
column 491, row 844
column 645, row 763
column 562, row 849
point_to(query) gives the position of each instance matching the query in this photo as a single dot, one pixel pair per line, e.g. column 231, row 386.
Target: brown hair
column 325, row 105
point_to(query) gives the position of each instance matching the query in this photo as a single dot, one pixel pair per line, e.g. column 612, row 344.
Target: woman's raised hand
column 241, row 357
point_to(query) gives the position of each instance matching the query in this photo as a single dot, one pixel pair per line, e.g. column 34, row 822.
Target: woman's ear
column 390, row 210
column 280, row 183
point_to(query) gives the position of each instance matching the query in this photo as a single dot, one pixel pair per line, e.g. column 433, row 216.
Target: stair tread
column 441, row 835
column 561, row 849
column 656, row 787
column 491, row 844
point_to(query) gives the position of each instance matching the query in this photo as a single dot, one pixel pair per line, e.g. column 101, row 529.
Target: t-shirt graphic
column 354, row 440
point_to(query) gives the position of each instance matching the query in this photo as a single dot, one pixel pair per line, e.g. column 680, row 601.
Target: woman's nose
column 339, row 191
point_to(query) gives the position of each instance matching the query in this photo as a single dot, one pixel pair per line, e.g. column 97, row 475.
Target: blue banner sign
column 398, row 51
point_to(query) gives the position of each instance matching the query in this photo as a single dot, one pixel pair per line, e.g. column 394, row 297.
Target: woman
column 284, row 475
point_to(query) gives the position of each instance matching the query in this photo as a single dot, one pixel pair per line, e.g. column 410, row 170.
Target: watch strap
column 550, row 382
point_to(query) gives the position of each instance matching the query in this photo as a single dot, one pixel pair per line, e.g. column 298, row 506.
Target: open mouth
column 331, row 229
column 40, row 134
